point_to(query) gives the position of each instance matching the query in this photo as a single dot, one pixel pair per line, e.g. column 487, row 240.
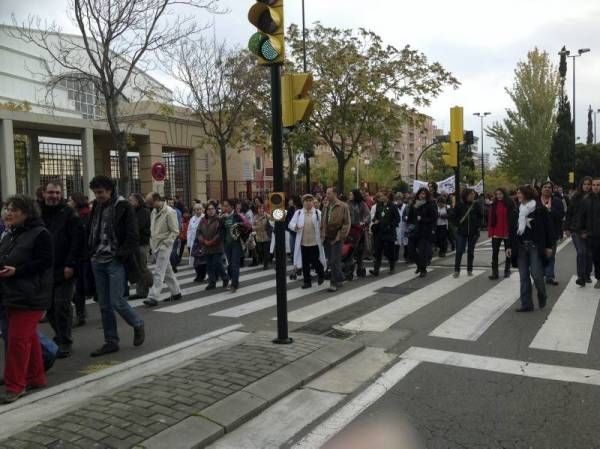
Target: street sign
column 159, row 171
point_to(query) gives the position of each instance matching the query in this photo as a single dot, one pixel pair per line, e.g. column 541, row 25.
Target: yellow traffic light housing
column 277, row 205
column 268, row 43
column 456, row 124
column 450, row 153
column 294, row 98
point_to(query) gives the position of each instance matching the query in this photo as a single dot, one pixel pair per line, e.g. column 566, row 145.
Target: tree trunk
column 223, row 154
column 341, row 172
column 124, row 184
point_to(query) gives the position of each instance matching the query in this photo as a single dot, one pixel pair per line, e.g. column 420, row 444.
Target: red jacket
column 499, row 226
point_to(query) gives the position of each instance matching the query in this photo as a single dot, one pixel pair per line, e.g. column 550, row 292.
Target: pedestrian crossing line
column 383, row 318
column 348, row 297
column 473, row 320
column 504, row 366
column 265, row 303
column 569, row 325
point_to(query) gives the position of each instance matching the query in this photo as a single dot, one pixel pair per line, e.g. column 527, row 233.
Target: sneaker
column 210, row 287
column 150, row 302
column 10, row 397
column 139, row 335
column 417, row 271
column 49, row 363
column 456, row 274
column 580, row 282
column 469, row 273
column 332, row 287
column 107, row 348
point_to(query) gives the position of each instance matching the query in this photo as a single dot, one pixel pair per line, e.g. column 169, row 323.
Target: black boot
column 375, row 270
column 494, row 275
column 392, row 266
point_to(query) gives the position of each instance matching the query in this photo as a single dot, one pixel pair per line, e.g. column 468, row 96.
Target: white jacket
column 164, row 228
column 192, row 228
column 298, row 219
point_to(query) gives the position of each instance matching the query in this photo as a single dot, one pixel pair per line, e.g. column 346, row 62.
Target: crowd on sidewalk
column 56, row 253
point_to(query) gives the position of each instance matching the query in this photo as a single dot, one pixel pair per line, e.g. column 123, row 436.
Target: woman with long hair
column 467, row 217
column 573, row 227
column 421, row 220
column 360, row 216
column 501, row 220
column 531, row 245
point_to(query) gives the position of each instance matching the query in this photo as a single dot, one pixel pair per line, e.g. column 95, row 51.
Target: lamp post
column 567, row 53
column 482, row 115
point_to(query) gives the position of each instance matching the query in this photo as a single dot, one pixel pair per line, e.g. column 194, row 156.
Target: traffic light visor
column 266, row 19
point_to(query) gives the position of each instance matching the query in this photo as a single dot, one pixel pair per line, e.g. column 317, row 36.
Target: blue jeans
column 584, row 256
column 465, row 242
column 214, row 268
column 233, row 252
column 549, row 269
column 110, row 278
column 49, row 348
column 530, row 266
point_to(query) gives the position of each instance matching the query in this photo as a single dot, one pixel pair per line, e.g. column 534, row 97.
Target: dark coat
column 68, row 237
column 573, row 218
column 388, row 217
column 541, row 233
column 28, row 248
column 425, row 226
column 142, row 214
column 467, row 219
column 590, row 216
column 557, row 214
column 210, row 235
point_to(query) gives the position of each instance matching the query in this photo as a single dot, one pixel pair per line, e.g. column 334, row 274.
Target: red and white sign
column 159, row 171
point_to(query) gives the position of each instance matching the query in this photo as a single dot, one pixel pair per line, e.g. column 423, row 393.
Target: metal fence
column 244, row 190
column 178, row 181
column 133, row 170
column 62, row 161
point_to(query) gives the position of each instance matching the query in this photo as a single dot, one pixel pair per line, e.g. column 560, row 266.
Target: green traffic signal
column 262, row 46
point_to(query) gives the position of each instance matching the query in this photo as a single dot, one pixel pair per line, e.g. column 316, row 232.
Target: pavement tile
column 194, row 428
column 234, row 409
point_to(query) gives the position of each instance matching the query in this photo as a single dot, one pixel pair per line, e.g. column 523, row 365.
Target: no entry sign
column 159, row 171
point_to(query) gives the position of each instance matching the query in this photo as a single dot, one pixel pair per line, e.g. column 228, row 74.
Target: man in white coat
column 308, row 250
column 164, row 229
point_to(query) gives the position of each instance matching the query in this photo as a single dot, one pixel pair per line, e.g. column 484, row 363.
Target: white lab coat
column 298, row 218
column 401, row 238
column 192, row 228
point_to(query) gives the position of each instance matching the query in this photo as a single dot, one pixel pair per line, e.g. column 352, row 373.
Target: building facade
column 417, row 134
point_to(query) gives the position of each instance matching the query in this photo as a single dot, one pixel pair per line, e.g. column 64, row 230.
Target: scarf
column 419, row 203
column 524, row 211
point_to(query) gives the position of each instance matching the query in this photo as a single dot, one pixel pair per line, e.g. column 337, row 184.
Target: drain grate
column 339, row 334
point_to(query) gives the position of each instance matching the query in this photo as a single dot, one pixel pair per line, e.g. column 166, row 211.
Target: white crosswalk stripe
column 383, row 318
column 570, row 323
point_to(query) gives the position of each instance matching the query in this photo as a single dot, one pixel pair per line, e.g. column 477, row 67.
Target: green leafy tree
column 361, row 86
column 524, row 137
column 587, row 161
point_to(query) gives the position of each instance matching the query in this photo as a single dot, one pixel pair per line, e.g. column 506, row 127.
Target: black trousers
column 595, row 247
column 383, row 248
column 200, row 270
column 441, row 238
column 264, row 253
column 60, row 313
column 310, row 259
column 496, row 243
column 420, row 249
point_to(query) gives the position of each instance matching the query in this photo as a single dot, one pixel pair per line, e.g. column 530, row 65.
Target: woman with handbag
column 210, row 240
column 26, row 282
column 468, row 217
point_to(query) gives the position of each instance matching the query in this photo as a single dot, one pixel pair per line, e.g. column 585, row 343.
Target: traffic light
column 469, row 138
column 277, row 205
column 456, row 124
column 450, row 153
column 268, row 42
column 296, row 104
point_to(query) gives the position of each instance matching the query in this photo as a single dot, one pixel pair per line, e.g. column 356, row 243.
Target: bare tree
column 118, row 41
column 218, row 85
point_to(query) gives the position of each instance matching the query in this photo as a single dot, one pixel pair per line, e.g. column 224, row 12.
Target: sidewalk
column 194, row 404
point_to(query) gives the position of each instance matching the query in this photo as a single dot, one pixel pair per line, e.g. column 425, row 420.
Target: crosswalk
column 568, row 326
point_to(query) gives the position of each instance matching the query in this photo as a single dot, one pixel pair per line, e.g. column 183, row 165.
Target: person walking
column 530, row 245
column 183, row 235
column 422, row 218
column 501, row 220
column 164, row 231
column 385, row 222
column 401, row 240
column 334, row 228
column 142, row 214
column 573, row 226
column 360, row 217
column 467, row 216
column 67, row 234
column 441, row 230
column 263, row 234
column 113, row 243
column 26, row 289
column 178, row 207
column 590, row 226
column 308, row 248
column 233, row 246
column 198, row 259
column 210, row 237
column 555, row 207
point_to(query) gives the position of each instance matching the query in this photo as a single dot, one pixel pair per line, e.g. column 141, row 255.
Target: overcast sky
column 479, row 41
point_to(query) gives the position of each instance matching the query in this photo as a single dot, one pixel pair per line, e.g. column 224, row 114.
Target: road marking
column 504, row 366
column 265, row 303
column 335, row 423
column 54, row 401
column 473, row 320
column 348, row 296
column 569, row 326
column 383, row 318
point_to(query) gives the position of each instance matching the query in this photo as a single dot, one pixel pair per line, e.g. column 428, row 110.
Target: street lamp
column 482, row 115
column 567, row 53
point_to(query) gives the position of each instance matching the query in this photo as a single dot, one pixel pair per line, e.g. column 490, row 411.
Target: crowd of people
column 57, row 253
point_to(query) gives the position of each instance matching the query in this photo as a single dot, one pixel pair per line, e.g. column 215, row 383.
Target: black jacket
column 590, row 215
column 540, row 233
column 28, row 248
column 142, row 215
column 573, row 218
column 68, row 236
column 557, row 214
column 425, row 226
column 388, row 217
column 467, row 217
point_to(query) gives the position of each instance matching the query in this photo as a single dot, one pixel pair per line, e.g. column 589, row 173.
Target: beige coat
column 164, row 228
column 337, row 226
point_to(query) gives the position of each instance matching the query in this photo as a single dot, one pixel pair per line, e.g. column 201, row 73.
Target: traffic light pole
column 306, row 154
column 280, row 255
column 457, row 174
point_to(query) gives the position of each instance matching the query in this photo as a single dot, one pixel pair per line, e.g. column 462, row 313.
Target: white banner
column 478, row 187
column 447, row 185
column 418, row 184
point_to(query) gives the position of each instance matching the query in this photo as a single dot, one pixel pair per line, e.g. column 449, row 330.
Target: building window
column 85, row 96
column 258, row 163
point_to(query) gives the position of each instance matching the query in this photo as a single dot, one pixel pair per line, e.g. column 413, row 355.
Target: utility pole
column 482, row 116
column 307, row 153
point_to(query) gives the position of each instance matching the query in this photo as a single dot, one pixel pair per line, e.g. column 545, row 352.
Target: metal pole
column 457, row 174
column 280, row 256
column 574, row 122
column 357, row 176
column 482, row 167
column 306, row 154
column 595, row 132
